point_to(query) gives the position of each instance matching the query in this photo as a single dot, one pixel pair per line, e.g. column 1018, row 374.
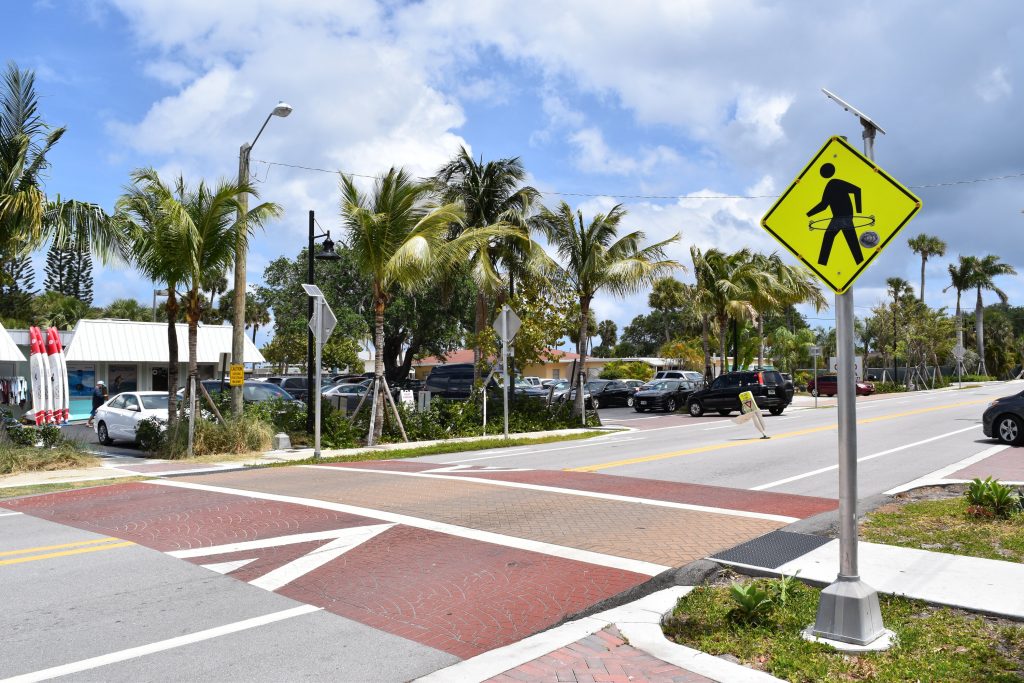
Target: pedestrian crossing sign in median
column 840, row 213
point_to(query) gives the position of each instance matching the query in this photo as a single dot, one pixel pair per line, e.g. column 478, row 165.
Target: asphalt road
column 900, row 437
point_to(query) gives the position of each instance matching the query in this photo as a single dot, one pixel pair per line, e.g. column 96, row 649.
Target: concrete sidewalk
column 121, row 465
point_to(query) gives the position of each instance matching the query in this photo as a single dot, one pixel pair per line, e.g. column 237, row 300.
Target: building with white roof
column 127, row 356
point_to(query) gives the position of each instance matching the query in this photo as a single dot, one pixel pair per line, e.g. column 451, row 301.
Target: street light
column 238, row 313
column 156, row 293
column 326, row 253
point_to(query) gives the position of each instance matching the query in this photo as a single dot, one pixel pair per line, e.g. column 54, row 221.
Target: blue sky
column 618, row 100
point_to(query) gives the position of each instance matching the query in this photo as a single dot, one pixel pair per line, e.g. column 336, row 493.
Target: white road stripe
column 9, row 514
column 570, row 492
column 600, row 559
column 938, row 476
column 787, row 480
column 159, row 646
column 301, row 566
column 524, row 450
column 256, row 545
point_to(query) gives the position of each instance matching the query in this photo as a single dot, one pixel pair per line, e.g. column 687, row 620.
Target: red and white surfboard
column 53, row 360
column 40, row 377
column 65, row 378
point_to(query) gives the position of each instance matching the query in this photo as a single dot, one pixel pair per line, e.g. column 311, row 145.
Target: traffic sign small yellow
column 236, row 377
column 840, row 213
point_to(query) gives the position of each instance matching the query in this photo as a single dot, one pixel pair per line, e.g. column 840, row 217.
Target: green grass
column 441, row 448
column 18, row 491
column 67, row 455
column 935, row 644
column 944, row 526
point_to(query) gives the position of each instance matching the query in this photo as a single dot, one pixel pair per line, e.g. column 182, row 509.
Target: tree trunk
column 255, row 326
column 704, row 331
column 172, row 360
column 760, row 335
column 480, row 325
column 723, row 325
column 378, row 366
column 735, row 344
column 979, row 332
column 582, row 347
column 924, row 259
column 193, row 312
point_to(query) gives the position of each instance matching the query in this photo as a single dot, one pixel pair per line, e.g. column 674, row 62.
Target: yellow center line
column 64, row 553
column 775, row 437
column 41, row 548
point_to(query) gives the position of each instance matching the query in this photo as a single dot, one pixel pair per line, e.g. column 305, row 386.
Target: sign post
column 842, row 193
column 321, row 324
column 507, row 325
column 816, row 354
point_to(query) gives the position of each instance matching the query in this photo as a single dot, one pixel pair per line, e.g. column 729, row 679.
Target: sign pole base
column 848, row 613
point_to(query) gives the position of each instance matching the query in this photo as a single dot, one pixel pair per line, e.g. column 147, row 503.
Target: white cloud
column 995, row 85
column 594, row 155
column 169, row 72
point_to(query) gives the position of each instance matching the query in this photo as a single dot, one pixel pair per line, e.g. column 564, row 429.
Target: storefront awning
column 126, row 341
column 9, row 351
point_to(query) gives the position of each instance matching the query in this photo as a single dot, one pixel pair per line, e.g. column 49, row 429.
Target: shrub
column 801, row 379
column 752, row 603
column 978, row 378
column 151, row 434
column 989, row 498
column 23, row 436
column 618, row 369
column 783, row 587
column 65, row 455
column 242, row 435
column 889, row 387
column 50, row 435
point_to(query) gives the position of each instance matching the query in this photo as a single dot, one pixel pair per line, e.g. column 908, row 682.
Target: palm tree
column 777, row 287
column 155, row 253
column 595, row 258
column 398, row 239
column 127, row 309
column 731, row 280
column 960, row 280
column 926, row 246
column 27, row 218
column 668, row 296
column 982, row 272
column 492, row 195
column 202, row 228
column 702, row 305
column 899, row 289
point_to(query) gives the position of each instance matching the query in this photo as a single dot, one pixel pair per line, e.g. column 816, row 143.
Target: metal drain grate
column 772, row 550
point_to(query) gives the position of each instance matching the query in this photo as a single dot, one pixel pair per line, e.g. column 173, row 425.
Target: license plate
column 643, row 403
column 771, row 392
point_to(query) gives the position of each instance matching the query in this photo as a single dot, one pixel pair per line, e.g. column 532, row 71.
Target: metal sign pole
column 504, row 363
column 848, row 609
column 319, row 373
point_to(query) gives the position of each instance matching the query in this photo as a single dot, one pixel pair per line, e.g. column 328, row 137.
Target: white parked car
column 534, row 381
column 345, row 389
column 118, row 417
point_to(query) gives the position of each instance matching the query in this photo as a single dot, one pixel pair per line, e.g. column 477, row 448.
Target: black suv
column 454, row 380
column 296, row 386
column 767, row 386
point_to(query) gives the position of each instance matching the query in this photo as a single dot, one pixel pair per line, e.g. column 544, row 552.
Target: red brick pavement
column 1006, row 465
column 670, row 491
column 604, row 656
column 167, row 519
column 456, row 595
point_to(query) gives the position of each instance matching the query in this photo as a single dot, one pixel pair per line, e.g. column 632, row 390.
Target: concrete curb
column 639, row 622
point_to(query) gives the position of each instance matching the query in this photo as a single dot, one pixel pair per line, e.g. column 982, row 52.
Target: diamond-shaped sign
column 330, row 320
column 840, row 213
column 959, row 351
column 514, row 323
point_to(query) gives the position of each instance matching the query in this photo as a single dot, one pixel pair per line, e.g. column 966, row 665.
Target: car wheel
column 671, row 406
column 1010, row 430
column 696, row 409
column 776, row 410
column 814, row 393
column 725, row 413
column 629, row 402
column 594, row 404
column 103, row 435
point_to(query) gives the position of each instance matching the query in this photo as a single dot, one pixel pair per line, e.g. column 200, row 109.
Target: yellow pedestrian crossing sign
column 840, row 213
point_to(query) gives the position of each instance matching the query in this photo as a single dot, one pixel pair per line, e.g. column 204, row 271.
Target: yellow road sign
column 236, row 377
column 840, row 213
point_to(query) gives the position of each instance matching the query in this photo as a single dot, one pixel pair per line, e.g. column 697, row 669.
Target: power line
column 949, row 183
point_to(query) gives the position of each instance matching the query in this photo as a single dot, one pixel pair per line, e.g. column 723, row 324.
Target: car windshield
column 596, row 384
column 154, row 401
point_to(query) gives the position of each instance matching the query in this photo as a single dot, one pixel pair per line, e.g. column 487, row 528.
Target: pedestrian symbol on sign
column 836, row 198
